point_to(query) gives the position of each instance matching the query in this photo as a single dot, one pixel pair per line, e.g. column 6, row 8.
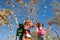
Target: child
column 27, row 25
column 20, row 32
column 40, row 31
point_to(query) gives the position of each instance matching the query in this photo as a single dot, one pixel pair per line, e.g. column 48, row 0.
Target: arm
column 34, row 24
column 48, row 29
column 17, row 32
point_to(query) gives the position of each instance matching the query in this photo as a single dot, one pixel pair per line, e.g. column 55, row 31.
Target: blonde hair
column 28, row 21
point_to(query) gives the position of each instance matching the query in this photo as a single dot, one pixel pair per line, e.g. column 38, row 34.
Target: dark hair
column 38, row 24
column 27, row 30
column 21, row 25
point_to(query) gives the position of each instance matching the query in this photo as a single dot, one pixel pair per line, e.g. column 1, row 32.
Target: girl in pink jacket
column 27, row 25
column 41, row 31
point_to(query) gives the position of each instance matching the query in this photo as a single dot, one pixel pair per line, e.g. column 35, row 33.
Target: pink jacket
column 41, row 31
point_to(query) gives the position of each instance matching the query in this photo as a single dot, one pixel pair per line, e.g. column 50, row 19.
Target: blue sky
column 20, row 12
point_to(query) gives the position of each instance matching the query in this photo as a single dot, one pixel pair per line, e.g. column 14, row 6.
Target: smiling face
column 28, row 22
column 40, row 25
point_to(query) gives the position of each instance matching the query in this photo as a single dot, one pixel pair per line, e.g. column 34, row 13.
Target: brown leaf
column 7, row 3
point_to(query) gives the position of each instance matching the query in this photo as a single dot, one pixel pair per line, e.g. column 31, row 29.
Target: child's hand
column 35, row 22
column 33, row 25
column 50, row 23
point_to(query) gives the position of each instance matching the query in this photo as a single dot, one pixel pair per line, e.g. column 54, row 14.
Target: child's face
column 40, row 25
column 28, row 23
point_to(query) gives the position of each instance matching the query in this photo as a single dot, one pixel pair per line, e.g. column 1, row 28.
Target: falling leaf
column 9, row 12
column 18, row 0
column 24, row 4
column 33, row 11
column 21, row 2
column 7, row 3
column 50, row 23
column 33, row 2
column 12, row 1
